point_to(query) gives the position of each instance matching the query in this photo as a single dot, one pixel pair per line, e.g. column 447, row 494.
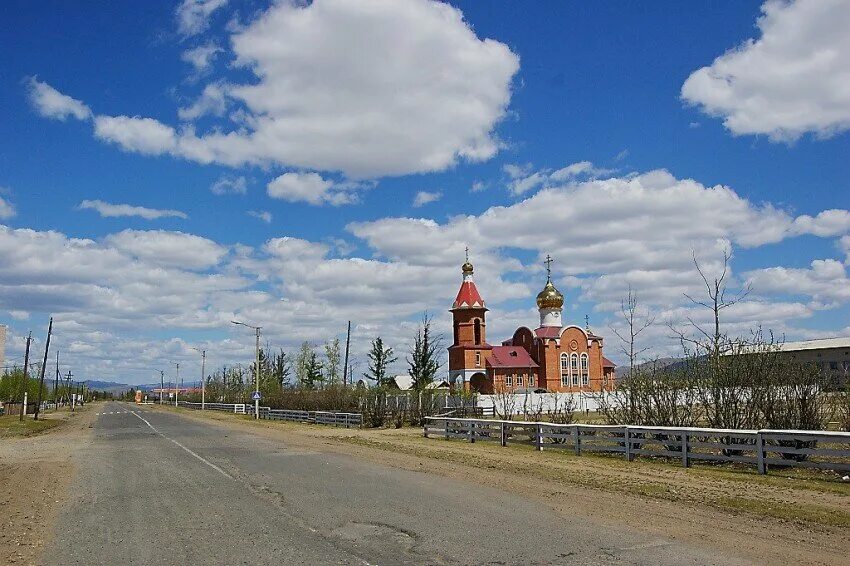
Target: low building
column 405, row 383
column 831, row 355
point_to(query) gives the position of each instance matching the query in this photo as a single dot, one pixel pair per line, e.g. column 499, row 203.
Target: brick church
column 553, row 357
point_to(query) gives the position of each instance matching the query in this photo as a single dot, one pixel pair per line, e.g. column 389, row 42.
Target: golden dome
column 466, row 268
column 550, row 297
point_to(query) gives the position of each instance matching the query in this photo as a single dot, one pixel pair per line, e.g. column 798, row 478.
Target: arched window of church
column 574, row 368
column 565, row 370
column 585, row 374
column 477, row 330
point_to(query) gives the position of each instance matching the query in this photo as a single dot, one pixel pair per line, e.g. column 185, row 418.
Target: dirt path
column 35, row 473
column 768, row 519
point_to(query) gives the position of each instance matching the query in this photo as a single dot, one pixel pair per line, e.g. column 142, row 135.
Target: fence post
column 503, row 437
column 628, row 443
column 470, row 424
column 685, row 461
column 425, row 428
column 760, row 453
column 539, row 429
column 577, row 440
column 446, row 428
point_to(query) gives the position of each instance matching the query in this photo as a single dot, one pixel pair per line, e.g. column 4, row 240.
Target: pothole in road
column 377, row 536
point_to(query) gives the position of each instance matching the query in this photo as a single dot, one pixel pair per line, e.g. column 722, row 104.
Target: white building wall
column 529, row 402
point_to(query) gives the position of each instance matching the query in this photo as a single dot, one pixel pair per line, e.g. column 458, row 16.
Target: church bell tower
column 469, row 345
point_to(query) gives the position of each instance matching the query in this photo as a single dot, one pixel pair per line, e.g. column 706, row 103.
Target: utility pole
column 176, row 377
column 257, row 377
column 70, row 399
column 56, row 384
column 345, row 365
column 43, row 367
column 161, row 384
column 203, row 377
column 256, row 367
column 25, row 382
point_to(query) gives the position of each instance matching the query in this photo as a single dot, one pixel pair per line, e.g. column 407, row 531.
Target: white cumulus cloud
column 227, row 185
column 51, row 103
column 313, row 189
column 6, row 209
column 193, row 15
column 793, row 79
column 370, row 89
column 263, row 215
column 201, row 57
column 109, row 210
column 426, row 197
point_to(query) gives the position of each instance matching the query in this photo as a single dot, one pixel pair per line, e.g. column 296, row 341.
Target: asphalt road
column 158, row 488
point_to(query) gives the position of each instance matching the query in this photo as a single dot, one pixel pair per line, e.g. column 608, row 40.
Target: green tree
column 424, row 359
column 281, row 368
column 11, row 386
column 380, row 357
column 332, row 362
column 313, row 375
column 302, row 360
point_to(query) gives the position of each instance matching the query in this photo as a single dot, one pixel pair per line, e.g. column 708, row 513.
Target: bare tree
column 718, row 298
column 504, row 403
column 636, row 324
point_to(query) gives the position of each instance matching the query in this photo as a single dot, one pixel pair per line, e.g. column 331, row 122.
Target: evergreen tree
column 313, row 371
column 424, row 360
column 281, row 368
column 332, row 362
column 380, row 357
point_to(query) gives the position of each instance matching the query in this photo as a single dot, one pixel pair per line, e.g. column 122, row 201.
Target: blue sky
column 341, row 113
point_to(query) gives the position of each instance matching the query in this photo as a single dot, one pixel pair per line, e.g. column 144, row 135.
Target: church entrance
column 479, row 383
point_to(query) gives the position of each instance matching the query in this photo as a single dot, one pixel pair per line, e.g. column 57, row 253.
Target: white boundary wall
column 529, row 402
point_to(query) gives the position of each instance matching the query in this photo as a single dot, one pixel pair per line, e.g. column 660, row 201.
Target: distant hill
column 660, row 363
column 109, row 386
column 116, row 387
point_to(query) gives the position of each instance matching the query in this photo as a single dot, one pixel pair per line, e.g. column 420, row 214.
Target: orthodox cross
column 467, row 254
column 587, row 322
column 548, row 263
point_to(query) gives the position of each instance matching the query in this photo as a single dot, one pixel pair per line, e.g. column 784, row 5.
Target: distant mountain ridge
column 114, row 386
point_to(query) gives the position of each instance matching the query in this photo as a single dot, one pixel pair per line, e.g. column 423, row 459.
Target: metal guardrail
column 761, row 448
column 347, row 420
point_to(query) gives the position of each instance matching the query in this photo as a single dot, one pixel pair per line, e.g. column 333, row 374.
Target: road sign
column 256, row 396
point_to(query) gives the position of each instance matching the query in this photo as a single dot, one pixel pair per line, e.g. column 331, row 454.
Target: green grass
column 11, row 426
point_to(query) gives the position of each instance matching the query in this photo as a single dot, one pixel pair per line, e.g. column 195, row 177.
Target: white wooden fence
column 760, row 448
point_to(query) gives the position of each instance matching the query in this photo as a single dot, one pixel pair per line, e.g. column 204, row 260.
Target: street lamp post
column 256, row 367
column 203, row 377
column 176, row 381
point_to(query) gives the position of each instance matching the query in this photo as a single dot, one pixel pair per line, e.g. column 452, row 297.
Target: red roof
column 548, row 332
column 606, row 363
column 510, row 357
column 468, row 297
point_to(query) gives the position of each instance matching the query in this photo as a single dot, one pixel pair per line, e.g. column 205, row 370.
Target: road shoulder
column 35, row 475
